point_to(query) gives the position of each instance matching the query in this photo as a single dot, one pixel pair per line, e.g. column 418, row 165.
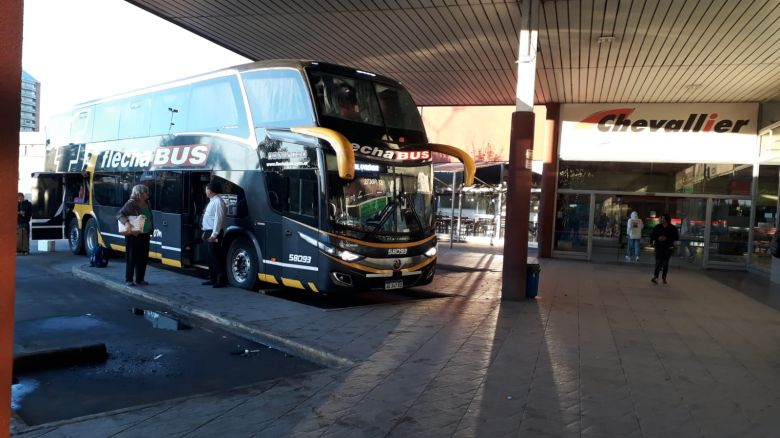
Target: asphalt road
column 148, row 359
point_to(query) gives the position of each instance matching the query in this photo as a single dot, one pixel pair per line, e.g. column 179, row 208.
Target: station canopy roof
column 463, row 52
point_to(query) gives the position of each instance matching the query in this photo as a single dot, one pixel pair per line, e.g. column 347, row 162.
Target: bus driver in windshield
column 347, row 104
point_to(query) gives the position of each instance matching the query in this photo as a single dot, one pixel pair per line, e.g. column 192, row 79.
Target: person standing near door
column 23, row 216
column 137, row 241
column 663, row 237
column 633, row 236
column 212, row 224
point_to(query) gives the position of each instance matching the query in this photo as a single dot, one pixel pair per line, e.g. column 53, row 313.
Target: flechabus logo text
column 387, row 154
column 619, row 120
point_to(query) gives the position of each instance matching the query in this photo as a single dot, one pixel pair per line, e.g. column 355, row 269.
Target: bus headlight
column 348, row 256
column 343, row 254
column 431, row 252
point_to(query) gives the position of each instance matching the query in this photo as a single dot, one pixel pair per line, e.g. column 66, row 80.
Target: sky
column 81, row 50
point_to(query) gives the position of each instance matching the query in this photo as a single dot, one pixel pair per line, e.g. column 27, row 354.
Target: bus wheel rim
column 74, row 236
column 241, row 265
column 92, row 238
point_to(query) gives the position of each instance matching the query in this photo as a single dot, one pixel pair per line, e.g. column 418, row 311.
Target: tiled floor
column 601, row 353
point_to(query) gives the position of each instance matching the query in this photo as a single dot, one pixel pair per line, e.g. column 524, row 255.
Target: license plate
column 394, row 284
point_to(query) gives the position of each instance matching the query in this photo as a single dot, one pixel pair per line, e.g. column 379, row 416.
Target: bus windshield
column 364, row 101
column 382, row 199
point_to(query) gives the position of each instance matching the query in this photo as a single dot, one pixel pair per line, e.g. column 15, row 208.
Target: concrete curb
column 63, row 357
column 265, row 337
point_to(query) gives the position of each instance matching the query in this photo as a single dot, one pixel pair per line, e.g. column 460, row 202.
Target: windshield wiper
column 410, row 209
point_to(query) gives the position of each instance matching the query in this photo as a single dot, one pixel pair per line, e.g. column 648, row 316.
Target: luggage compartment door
column 48, row 206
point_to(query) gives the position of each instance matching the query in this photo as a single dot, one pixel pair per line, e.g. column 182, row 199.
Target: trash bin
column 532, row 271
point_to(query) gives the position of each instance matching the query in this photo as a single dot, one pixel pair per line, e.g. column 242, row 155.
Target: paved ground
column 602, row 352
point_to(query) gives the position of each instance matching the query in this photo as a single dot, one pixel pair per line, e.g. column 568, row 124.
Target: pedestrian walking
column 137, row 241
column 23, row 216
column 662, row 238
column 212, row 225
column 634, row 228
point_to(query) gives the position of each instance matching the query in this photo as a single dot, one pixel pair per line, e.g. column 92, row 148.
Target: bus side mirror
column 345, row 156
column 469, row 168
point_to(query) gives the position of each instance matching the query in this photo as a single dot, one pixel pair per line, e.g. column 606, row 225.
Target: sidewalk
column 602, row 352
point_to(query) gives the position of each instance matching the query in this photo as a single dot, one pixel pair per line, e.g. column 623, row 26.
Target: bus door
column 53, row 198
column 197, row 200
column 288, row 258
column 300, row 256
column 170, row 234
column 271, row 265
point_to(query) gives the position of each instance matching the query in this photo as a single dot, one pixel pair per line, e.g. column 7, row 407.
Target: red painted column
column 549, row 182
column 518, row 202
column 10, row 101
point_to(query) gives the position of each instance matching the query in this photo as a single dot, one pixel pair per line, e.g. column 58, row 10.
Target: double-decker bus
column 326, row 172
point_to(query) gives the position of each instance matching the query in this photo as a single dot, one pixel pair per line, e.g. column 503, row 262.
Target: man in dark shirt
column 23, row 216
column 662, row 238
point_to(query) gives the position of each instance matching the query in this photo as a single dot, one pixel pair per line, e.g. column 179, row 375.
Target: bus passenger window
column 215, row 106
column 278, row 98
column 277, row 191
column 135, row 116
column 106, row 122
column 108, row 190
column 169, row 111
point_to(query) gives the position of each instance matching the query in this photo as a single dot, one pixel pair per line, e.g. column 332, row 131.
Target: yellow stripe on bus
column 116, row 247
column 155, row 255
column 267, row 278
column 292, row 283
column 313, row 287
column 171, row 262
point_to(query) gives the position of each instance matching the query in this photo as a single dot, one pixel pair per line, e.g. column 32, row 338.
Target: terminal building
column 30, row 111
column 701, row 163
column 711, row 166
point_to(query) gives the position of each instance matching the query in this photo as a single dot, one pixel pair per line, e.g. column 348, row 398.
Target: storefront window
column 697, row 178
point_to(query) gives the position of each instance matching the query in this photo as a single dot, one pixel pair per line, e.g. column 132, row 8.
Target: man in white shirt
column 212, row 225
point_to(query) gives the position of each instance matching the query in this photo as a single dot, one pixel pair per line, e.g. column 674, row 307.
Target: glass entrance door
column 691, row 223
column 730, row 226
column 572, row 219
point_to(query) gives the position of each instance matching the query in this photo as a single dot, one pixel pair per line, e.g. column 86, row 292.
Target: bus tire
column 90, row 237
column 75, row 237
column 241, row 265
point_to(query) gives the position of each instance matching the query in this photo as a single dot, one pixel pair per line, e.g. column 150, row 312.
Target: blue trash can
column 532, row 272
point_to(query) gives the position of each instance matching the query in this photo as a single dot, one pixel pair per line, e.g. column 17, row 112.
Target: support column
column 521, row 143
column 10, row 101
column 549, row 182
column 518, row 202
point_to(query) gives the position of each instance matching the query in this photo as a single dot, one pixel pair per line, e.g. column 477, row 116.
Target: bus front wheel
column 91, row 237
column 242, row 265
column 75, row 237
